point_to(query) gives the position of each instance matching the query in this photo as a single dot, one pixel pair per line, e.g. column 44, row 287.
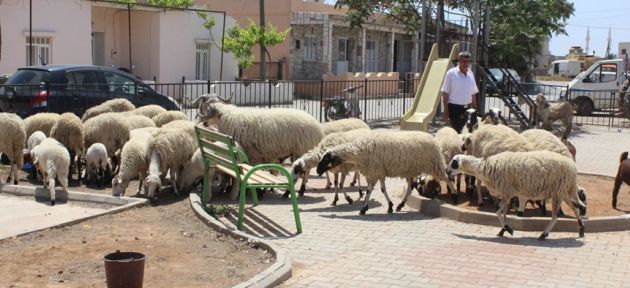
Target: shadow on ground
column 528, row 241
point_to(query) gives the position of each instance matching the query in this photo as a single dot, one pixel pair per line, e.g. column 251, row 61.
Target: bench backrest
column 227, row 155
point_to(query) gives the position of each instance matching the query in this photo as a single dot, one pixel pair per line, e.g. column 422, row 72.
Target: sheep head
column 118, row 189
column 205, row 107
column 466, row 140
column 298, row 168
column 471, row 121
column 151, row 185
column 492, row 116
column 540, row 99
column 462, row 164
column 329, row 160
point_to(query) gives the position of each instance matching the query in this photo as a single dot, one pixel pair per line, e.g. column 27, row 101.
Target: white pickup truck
column 592, row 89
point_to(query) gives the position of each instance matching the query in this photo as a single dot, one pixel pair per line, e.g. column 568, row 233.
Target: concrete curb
column 272, row 276
column 123, row 203
column 437, row 208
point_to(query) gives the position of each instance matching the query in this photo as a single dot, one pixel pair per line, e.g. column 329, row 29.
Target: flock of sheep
column 147, row 143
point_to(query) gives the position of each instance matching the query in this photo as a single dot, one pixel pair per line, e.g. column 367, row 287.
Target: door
column 342, row 56
column 403, row 64
column 98, row 48
column 603, row 79
column 84, row 89
column 371, row 56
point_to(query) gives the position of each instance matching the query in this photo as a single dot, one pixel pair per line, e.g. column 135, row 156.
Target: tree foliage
column 240, row 41
column 518, row 29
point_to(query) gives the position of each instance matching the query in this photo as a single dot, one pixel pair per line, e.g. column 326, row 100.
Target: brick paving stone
column 407, row 249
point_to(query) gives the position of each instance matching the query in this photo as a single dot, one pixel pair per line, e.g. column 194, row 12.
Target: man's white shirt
column 459, row 87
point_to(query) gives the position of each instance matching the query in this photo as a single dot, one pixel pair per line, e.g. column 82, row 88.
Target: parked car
column 73, row 88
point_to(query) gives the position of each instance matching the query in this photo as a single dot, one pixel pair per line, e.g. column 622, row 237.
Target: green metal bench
column 231, row 160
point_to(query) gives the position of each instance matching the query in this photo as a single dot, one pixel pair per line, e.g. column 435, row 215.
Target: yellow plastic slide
column 428, row 95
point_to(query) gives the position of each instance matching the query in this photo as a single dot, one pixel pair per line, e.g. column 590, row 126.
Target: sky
column 599, row 15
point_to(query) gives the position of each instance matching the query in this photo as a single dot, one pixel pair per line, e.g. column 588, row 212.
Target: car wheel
column 584, row 107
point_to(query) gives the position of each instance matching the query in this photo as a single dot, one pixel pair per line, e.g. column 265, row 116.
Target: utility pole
column 423, row 32
column 30, row 33
column 262, row 48
column 438, row 26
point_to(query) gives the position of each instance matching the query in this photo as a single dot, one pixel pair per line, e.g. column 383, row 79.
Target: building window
column 202, row 60
column 40, row 52
column 310, row 48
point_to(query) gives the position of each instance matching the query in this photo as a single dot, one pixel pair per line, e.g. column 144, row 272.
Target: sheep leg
column 10, row 174
column 390, row 204
column 502, row 214
column 303, row 184
column 174, row 176
column 470, row 185
column 355, row 179
column 407, row 193
column 554, row 218
column 459, row 182
column 51, row 188
column 451, row 187
column 367, row 197
column 358, row 177
column 615, row 191
column 334, row 203
column 479, row 196
column 141, row 175
column 541, row 205
column 343, row 179
column 574, row 207
column 328, row 182
column 521, row 207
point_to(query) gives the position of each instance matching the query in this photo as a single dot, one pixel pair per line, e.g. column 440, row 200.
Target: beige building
column 93, row 32
column 321, row 42
column 624, row 49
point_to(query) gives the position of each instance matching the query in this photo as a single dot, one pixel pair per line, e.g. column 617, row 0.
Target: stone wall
column 302, row 69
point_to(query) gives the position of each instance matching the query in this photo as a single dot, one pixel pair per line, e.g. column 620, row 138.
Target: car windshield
column 28, row 77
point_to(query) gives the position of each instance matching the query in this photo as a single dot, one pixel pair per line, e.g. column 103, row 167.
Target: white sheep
column 151, row 130
column 113, row 105
column 53, row 160
column 381, row 154
column 40, row 122
column 68, row 130
column 451, row 144
column 97, row 164
column 192, row 175
column 168, row 116
column 490, row 140
column 138, row 121
column 303, row 165
column 12, row 140
column 181, row 124
column 536, row 175
column 133, row 162
column 148, row 110
column 266, row 135
column 549, row 112
column 344, row 125
column 543, row 140
column 34, row 140
column 111, row 130
column 169, row 149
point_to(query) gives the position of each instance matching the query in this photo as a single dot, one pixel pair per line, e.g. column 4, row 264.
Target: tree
column 240, row 41
column 518, row 29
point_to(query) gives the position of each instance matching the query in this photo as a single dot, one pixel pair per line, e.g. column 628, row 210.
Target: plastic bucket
column 124, row 269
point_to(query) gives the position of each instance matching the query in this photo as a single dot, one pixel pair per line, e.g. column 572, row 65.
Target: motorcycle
column 341, row 107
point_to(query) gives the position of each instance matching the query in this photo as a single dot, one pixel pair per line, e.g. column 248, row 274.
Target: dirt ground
column 599, row 198
column 181, row 250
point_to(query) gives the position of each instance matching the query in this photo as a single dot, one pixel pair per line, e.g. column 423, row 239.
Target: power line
column 600, row 27
column 604, row 11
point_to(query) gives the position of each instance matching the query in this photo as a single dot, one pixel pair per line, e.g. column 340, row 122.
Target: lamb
column 343, row 125
column 287, row 132
column 490, row 140
column 381, row 154
column 12, row 142
column 450, row 144
column 149, row 111
column 536, row 175
column 34, row 140
column 549, row 112
column 97, row 164
column 169, row 149
column 68, row 130
column 138, row 121
column 53, row 159
column 168, row 116
column 623, row 175
column 113, row 105
column 111, row 130
column 303, row 165
column 40, row 122
column 133, row 162
column 192, row 175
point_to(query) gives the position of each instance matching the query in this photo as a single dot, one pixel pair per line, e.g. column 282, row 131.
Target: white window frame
column 42, row 46
column 202, row 49
column 346, row 56
column 310, row 47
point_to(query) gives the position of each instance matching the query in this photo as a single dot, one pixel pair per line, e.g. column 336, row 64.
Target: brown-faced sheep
column 550, row 112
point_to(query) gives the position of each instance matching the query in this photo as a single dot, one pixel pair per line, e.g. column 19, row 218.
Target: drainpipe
column 30, row 32
column 129, row 26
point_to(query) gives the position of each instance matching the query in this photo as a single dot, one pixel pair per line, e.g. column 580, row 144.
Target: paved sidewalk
column 22, row 214
column 339, row 248
column 598, row 148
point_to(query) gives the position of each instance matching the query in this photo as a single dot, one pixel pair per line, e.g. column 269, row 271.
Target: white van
column 567, row 68
column 591, row 89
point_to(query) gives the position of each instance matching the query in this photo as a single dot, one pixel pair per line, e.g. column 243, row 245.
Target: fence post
column 321, row 99
column 268, row 81
column 405, row 91
column 365, row 90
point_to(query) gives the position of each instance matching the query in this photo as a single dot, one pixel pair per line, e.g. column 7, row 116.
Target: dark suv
column 73, row 88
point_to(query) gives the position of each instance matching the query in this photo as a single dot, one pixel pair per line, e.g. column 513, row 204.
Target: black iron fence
column 378, row 100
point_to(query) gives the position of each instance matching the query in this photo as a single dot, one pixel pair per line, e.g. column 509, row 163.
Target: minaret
column 588, row 38
column 607, row 45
